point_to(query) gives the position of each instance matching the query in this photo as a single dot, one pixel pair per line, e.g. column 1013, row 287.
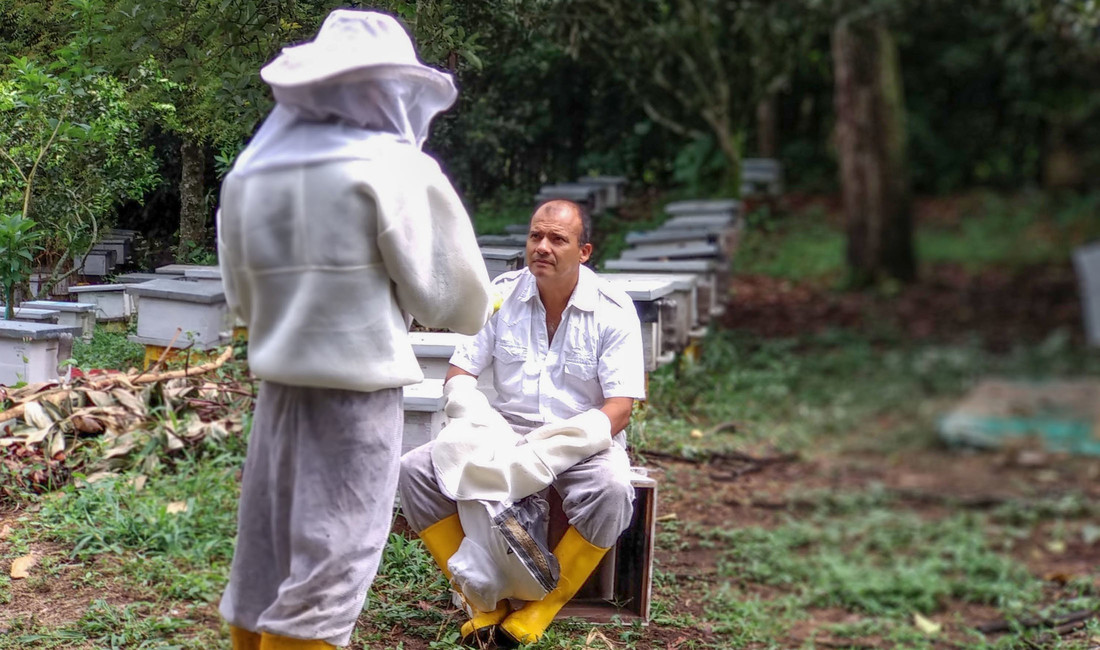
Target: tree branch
column 34, row 167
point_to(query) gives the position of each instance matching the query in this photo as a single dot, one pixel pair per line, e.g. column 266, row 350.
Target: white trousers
column 597, row 496
column 315, row 510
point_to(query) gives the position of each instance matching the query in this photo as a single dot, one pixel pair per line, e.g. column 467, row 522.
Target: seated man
column 563, row 343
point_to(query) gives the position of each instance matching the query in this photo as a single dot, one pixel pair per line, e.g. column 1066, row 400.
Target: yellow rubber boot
column 578, row 560
column 442, row 540
column 480, row 630
column 270, row 641
column 243, row 639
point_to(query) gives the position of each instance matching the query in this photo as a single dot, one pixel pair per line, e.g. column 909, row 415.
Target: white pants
column 596, row 494
column 315, row 510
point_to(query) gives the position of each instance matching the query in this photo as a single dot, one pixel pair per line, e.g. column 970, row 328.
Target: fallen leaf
column 1058, row 576
column 5, row 531
column 32, row 436
column 21, row 567
column 696, row 433
column 100, row 398
column 177, row 507
column 130, row 401
column 926, row 626
column 1056, row 546
column 85, row 424
column 138, row 482
column 35, row 415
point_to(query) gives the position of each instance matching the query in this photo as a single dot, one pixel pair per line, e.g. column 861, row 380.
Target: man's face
column 553, row 245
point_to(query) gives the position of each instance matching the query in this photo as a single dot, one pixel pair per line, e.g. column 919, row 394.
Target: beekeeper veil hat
column 361, row 70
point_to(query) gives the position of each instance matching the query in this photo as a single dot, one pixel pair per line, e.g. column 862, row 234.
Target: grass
column 786, row 393
column 108, row 350
column 1019, row 231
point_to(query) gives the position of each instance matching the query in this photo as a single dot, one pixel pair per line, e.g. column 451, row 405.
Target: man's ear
column 586, row 252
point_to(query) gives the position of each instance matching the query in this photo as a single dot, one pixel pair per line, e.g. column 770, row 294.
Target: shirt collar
column 586, row 295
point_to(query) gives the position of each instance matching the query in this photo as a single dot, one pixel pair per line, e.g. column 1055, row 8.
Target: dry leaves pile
column 117, row 422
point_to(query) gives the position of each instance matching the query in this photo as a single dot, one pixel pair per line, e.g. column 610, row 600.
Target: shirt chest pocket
column 509, row 353
column 580, row 368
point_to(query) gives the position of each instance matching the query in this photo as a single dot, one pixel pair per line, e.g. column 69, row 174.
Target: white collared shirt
column 595, row 354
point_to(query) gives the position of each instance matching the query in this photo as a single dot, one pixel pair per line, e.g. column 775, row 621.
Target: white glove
column 465, row 401
column 564, row 444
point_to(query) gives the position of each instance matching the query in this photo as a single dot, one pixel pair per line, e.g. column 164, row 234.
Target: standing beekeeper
column 334, row 231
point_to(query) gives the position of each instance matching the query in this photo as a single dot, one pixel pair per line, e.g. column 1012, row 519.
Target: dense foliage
column 668, row 92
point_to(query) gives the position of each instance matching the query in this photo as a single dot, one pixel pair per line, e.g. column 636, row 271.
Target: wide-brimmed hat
column 354, row 44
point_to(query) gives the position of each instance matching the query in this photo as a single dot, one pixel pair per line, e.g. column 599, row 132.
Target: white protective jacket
column 331, row 237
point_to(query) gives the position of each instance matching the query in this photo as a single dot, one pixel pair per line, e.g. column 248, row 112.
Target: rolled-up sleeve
column 621, row 364
column 476, row 353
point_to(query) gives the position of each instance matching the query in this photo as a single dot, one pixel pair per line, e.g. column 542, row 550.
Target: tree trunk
column 871, row 141
column 192, row 208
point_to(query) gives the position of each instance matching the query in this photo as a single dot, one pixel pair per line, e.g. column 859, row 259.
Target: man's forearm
column 617, row 409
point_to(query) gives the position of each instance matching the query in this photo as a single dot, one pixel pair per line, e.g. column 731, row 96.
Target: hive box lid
column 181, row 269
column 435, row 344
column 661, row 266
column 425, row 396
column 641, row 289
column 702, row 206
column 680, row 282
column 58, row 305
column 501, row 253
column 94, row 288
column 673, row 251
column 205, row 273
column 15, row 329
column 179, row 289
column 134, row 278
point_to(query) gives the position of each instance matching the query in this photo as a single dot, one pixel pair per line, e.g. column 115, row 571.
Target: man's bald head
column 561, row 207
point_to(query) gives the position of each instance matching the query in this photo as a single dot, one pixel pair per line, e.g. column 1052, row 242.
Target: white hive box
column 433, row 352
column 589, row 196
column 110, row 300
column 118, row 244
column 500, row 259
column 614, row 187
column 29, row 351
column 181, row 269
column 97, row 263
column 647, row 296
column 730, row 207
column 680, row 316
column 72, row 314
column 706, row 287
column 197, row 308
column 515, row 240
column 423, row 404
column 1086, row 261
column 34, row 314
column 680, row 251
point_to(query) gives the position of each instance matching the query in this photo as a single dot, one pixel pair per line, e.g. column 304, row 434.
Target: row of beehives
column 676, row 276
column 35, row 345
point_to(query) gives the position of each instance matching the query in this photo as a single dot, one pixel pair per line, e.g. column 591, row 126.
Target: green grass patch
column 138, row 626
column 1022, row 230
column 830, row 388
column 801, row 246
column 108, row 350
column 175, row 554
